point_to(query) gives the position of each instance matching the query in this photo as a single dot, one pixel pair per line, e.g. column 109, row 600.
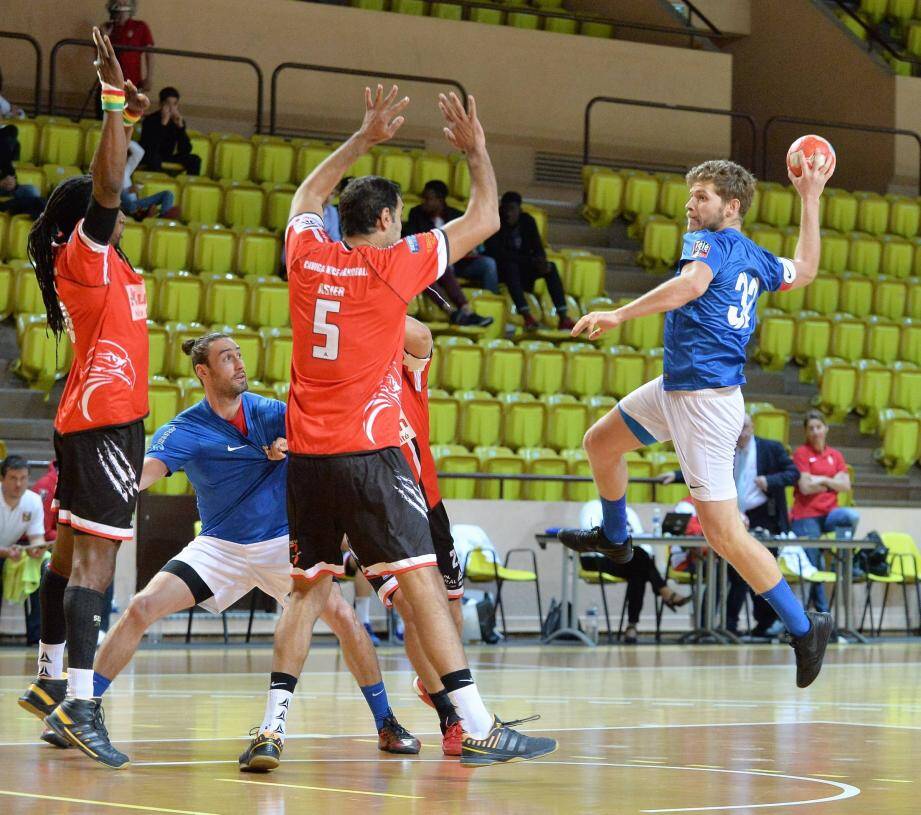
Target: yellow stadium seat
column 561, row 25
column 874, row 384
column 169, row 245
column 430, row 167
column 461, row 367
column 840, row 211
column 7, row 278
column 577, row 464
column 848, row 338
column 164, row 398
column 856, row 296
column 133, row 242
column 456, row 459
column 598, row 407
column 202, row 201
column 673, row 195
column 213, row 249
column 835, row 248
column 504, row 366
column 661, row 243
column 584, row 274
column 906, row 387
column 524, row 422
column 567, row 421
column 252, row 347
column 26, row 295
column 913, row 307
column 201, row 147
column 865, row 254
column 767, row 237
column 813, row 336
column 910, row 342
column 258, row 252
column 776, row 207
column 274, row 162
column 771, row 423
column 822, row 294
column 882, row 340
column 278, row 199
column 277, row 355
column 626, row 370
column 233, row 159
column 897, row 256
column 904, row 216
column 29, row 174
column 244, row 204
column 790, row 301
column 500, row 461
column 61, row 143
column 177, row 363
column 56, row 173
column 28, row 136
column 546, row 367
column 480, row 419
column 889, row 298
column 585, row 368
column 900, row 443
column 309, row 156
column 837, row 389
column 604, row 197
column 267, row 302
column 154, row 183
column 644, row 333
column 444, row 419
column 18, row 237
column 776, row 342
column 225, row 299
column 42, row 358
column 397, row 166
column 491, row 15
column 192, row 392
column 872, row 213
column 641, row 193
column 543, row 461
column 179, row 296
column 639, row 467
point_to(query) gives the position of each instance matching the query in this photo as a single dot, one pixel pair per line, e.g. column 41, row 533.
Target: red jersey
column 414, row 431
column 348, row 310
column 105, row 307
column 131, row 32
column 45, row 487
column 827, row 463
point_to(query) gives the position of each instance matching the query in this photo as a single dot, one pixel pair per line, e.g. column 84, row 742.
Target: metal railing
column 168, row 52
column 874, row 37
column 694, row 11
column 332, row 69
column 860, row 128
column 645, row 103
column 37, row 92
column 565, row 479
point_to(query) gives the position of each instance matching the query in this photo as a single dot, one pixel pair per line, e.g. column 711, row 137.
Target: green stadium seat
column 546, row 368
column 604, row 31
column 865, row 254
column 158, row 342
column 487, row 304
column 776, row 342
column 584, row 272
column 267, row 302
column 577, row 464
column 904, row 216
column 901, row 438
column 655, row 364
column 244, row 204
column 906, row 387
column 501, row 461
column 396, row 165
column 916, row 259
column 154, row 183
column 835, row 248
column 897, row 257
column 767, row 237
column 661, row 243
column 561, row 25
column 202, row 201
column 278, row 347
column 873, row 10
column 889, row 298
column 504, row 366
column 460, row 177
column 641, row 194
column 848, row 338
column 626, row 370
column 42, row 358
column 598, row 407
column 663, row 462
column 567, row 421
column 461, row 367
column 604, row 197
column 798, row 211
column 201, row 147
column 213, row 249
column 274, row 161
column 639, row 467
column 856, row 295
column 790, row 301
column 673, row 195
column 882, row 340
column 18, row 237
column 456, row 459
column 644, row 333
column 444, row 419
column 56, row 173
column 902, row 10
column 543, row 461
column 446, row 11
column 4, row 227
column 233, row 159
column 309, row 156
column 369, row 5
column 225, row 299
column 480, row 419
column 837, row 388
column 753, row 215
column 490, row 16
column 585, row 368
column 30, row 174
column 91, row 138
column 29, row 132
column 278, row 199
column 840, row 210
column 26, row 295
column 133, row 242
column 179, row 296
column 872, row 213
column 525, row 420
column 362, row 166
column 823, row 293
column 776, row 206
column 164, row 398
column 430, row 167
column 771, row 423
column 61, row 143
column 169, row 245
column 813, row 337
column 874, row 384
column 258, row 252
column 515, row 318
column 910, row 342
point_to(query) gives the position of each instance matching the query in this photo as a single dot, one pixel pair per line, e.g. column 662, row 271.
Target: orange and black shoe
column 394, row 738
column 421, row 692
column 263, row 753
column 503, row 745
column 82, row 723
column 43, row 696
column 452, row 739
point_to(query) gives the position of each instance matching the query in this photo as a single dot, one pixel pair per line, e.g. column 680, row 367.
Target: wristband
column 129, row 118
column 113, row 99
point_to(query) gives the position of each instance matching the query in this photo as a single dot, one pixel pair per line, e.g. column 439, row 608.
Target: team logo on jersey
column 701, row 249
column 387, row 396
column 137, row 299
column 413, row 243
column 107, row 363
column 26, row 517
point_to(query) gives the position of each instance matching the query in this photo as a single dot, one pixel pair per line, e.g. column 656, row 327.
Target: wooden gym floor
column 641, row 730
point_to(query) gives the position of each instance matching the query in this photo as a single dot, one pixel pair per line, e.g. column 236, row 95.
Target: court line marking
column 894, row 780
column 101, row 803
column 320, row 789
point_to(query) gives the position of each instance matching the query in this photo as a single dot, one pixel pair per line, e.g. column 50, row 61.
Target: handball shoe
column 452, row 739
column 82, row 723
column 394, row 738
column 421, row 692
column 503, row 745
column 810, row 648
column 43, row 696
column 263, row 753
column 593, row 540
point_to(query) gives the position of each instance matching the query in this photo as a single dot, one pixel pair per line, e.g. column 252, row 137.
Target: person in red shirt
column 346, row 475
column 92, row 293
column 823, row 475
column 123, row 29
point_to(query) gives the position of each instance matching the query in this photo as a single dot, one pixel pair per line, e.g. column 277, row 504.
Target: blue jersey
column 705, row 339
column 240, row 492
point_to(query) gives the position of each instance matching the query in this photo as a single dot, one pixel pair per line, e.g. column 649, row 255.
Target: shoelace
column 99, row 722
column 397, row 728
column 516, row 722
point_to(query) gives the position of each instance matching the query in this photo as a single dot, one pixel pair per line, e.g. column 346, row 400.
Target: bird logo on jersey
column 107, row 362
column 387, row 396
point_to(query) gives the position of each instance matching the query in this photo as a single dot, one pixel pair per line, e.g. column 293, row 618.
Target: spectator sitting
column 521, row 259
column 24, row 198
column 21, row 514
column 434, row 213
column 132, row 204
column 638, row 572
column 123, row 29
column 164, row 137
column 823, row 474
column 7, row 109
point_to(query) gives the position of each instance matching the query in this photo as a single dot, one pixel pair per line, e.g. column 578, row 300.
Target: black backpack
column 876, row 560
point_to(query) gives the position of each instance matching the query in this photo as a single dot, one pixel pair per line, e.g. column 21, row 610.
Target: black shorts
column 370, row 497
column 448, row 564
column 99, row 472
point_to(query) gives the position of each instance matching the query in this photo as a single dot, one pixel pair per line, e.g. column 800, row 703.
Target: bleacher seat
column 28, row 136
column 233, row 159
column 545, row 368
column 7, row 279
column 626, row 370
column 177, row 363
column 500, row 461
column 900, row 442
column 771, row 423
column 848, row 338
column 776, row 206
column 26, row 295
column 639, row 467
column 267, row 302
column 577, row 464
column 882, row 343
column 430, row 167
column 889, row 298
column 603, row 196
column 18, row 237
column 56, row 173
column 910, row 342
column 644, row 333
column 169, row 245
column 244, row 205
column 164, row 398
column 395, row 165
column 823, row 293
column 585, row 367
column 872, row 213
column 61, row 142
column 213, row 249
column 274, row 161
column 834, row 254
column 598, row 406
column 201, row 147
column 444, row 419
column 865, row 254
column 158, row 342
column 258, row 252
column 813, row 336
column 179, row 296
column 840, row 210
column 524, row 421
column 278, row 199
column 543, row 461
column 661, row 243
column 503, row 366
column 567, row 421
column 874, row 384
column 856, row 295
column 641, row 193
column 456, row 459
column 776, row 342
column 906, row 387
column 480, row 419
column 202, row 201
column 561, row 25
column 837, row 389
column 904, row 216
column 461, row 366
column 133, row 242
column 278, row 348
column 225, row 300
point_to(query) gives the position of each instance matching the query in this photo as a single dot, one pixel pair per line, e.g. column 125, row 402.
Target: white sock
column 50, row 660
column 277, row 708
column 363, row 609
column 475, row 717
column 80, row 683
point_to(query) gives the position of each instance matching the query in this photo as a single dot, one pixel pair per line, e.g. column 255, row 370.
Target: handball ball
column 816, row 150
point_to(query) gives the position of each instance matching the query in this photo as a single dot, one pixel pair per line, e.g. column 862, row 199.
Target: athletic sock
column 100, row 684
column 465, row 697
column 50, row 660
column 376, row 697
column 614, row 519
column 278, row 704
column 83, row 610
column 363, row 610
column 788, row 608
column 447, row 715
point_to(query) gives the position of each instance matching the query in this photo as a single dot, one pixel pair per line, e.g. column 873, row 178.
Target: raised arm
column 809, row 247
column 382, row 121
column 464, row 131
column 691, row 283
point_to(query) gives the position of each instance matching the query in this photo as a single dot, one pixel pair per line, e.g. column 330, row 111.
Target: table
column 706, row 629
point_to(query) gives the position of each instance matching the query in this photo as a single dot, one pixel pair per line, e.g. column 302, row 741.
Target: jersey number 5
column 740, row 316
column 330, row 349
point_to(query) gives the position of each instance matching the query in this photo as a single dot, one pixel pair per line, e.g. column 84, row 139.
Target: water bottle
column 591, row 624
column 657, row 523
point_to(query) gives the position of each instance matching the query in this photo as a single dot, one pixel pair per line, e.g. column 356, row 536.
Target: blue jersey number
column 740, row 316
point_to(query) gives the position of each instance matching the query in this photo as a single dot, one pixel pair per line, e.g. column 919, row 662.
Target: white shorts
column 703, row 425
column 231, row 570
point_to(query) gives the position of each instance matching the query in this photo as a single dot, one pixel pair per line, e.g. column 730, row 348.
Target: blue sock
column 614, row 523
column 376, row 697
column 788, row 608
column 100, row 684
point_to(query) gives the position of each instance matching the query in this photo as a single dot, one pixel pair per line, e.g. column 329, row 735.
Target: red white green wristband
column 113, row 99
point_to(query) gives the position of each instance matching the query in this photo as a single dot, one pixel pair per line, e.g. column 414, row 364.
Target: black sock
column 447, row 715
column 281, row 681
column 457, row 680
column 83, row 610
column 51, row 599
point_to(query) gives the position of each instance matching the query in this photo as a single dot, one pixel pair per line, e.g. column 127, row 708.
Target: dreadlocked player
column 91, row 292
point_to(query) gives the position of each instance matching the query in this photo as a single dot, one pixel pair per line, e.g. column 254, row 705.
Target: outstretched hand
column 463, row 131
column 382, row 115
column 107, row 68
column 813, row 179
column 597, row 323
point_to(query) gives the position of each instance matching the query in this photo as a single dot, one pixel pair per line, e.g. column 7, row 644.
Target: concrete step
column 26, row 430
column 25, row 402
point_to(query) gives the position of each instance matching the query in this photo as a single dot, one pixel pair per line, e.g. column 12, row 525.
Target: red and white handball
column 817, row 151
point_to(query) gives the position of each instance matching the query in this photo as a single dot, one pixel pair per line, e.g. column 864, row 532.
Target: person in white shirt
column 639, row 571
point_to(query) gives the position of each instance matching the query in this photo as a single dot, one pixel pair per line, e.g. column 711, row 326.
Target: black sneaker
column 471, row 319
column 394, row 738
column 43, row 696
column 50, row 737
column 263, row 753
column 504, row 745
column 810, row 648
column 593, row 540
column 82, row 723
